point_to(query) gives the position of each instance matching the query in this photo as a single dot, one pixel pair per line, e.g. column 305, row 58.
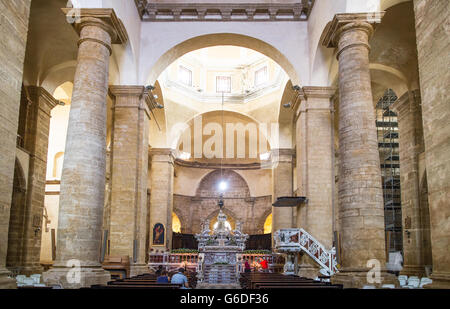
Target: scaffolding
column 387, row 130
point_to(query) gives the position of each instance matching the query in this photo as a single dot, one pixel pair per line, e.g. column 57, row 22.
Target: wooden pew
column 271, row 280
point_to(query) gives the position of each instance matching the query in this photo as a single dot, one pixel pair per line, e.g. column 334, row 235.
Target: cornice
column 107, row 16
column 204, row 165
column 37, row 93
column 155, row 12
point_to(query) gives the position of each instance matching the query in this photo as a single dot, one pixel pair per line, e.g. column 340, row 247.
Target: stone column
column 161, row 196
column 361, row 208
column 282, row 173
column 129, row 167
column 36, row 142
column 411, row 145
column 14, row 28
column 315, row 150
column 83, row 175
column 432, row 36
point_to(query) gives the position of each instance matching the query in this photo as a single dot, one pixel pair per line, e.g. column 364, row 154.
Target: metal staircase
column 294, row 240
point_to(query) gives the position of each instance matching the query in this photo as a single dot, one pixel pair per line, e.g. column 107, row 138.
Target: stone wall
column 433, row 42
column 239, row 205
column 14, row 28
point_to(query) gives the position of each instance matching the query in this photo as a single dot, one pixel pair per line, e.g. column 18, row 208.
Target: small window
column 261, row 76
column 185, row 76
column 223, row 84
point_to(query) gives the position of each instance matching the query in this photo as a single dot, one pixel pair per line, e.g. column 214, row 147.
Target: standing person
column 247, row 268
column 265, row 265
column 163, row 278
column 180, row 278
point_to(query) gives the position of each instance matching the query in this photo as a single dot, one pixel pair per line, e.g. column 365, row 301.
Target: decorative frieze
column 151, row 11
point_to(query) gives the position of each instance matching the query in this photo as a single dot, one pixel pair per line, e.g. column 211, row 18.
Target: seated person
column 163, row 278
column 159, row 270
column 180, row 278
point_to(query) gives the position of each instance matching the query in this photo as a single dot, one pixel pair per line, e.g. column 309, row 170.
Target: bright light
column 227, row 225
column 223, row 185
column 264, row 156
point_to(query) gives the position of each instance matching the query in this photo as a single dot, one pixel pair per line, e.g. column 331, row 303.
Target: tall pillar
column 410, row 145
column 83, row 175
column 282, row 174
column 161, row 196
column 129, row 167
column 432, row 46
column 36, row 142
column 315, row 150
column 14, row 26
column 361, row 209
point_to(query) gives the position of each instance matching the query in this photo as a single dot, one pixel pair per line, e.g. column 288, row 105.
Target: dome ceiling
column 241, row 74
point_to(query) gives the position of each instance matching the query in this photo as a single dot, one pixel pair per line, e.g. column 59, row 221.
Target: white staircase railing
column 297, row 239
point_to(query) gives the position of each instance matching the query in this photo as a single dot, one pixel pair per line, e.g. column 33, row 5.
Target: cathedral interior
column 129, row 128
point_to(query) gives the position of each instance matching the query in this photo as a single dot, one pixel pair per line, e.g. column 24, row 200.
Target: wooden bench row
column 277, row 281
column 145, row 281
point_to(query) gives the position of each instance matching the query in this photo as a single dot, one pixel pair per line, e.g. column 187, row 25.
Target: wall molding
column 253, row 12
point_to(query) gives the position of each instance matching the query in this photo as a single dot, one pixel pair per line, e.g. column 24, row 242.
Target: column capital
column 162, row 155
column 319, row 92
column 124, row 94
column 349, row 21
column 103, row 18
column 282, row 155
column 317, row 98
column 127, row 90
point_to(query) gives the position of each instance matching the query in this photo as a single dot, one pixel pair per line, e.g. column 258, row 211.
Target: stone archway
column 17, row 218
column 216, row 39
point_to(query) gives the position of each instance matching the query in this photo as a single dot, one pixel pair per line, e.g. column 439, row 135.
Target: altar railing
column 190, row 261
column 173, row 261
column 274, row 261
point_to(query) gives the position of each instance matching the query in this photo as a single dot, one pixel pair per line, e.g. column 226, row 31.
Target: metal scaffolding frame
column 387, row 130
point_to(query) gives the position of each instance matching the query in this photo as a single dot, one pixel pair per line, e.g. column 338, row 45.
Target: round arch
column 215, row 39
column 204, row 186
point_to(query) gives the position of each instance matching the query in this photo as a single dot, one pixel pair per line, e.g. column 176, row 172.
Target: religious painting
column 158, row 234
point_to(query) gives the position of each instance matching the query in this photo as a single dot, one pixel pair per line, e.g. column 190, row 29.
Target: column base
column 413, row 270
column 5, row 281
column 71, row 278
column 352, row 278
column 440, row 281
column 139, row 269
column 31, row 270
column 308, row 271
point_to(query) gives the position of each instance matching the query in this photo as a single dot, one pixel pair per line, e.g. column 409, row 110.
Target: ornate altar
column 218, row 252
